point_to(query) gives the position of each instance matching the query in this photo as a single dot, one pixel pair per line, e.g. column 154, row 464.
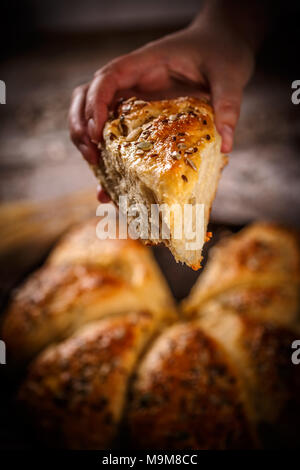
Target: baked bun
column 231, row 365
column 255, row 271
column 164, row 152
column 76, row 391
column 84, row 279
column 187, row 395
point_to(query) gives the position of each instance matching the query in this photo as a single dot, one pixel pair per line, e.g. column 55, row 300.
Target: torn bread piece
column 164, row 155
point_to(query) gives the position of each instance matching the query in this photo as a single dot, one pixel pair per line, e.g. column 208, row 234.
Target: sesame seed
column 172, row 117
column 140, row 152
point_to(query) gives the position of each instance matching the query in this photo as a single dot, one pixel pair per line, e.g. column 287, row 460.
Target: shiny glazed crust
column 163, row 152
column 221, row 378
column 76, row 391
column 261, row 256
column 83, row 280
column 187, row 396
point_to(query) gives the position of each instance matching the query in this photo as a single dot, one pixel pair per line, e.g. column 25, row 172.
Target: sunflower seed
column 145, row 134
column 133, row 98
column 126, row 108
column 145, row 145
column 192, row 164
column 140, row 102
column 181, row 145
column 134, row 134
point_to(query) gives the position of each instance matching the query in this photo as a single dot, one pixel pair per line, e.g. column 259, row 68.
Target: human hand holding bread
column 214, row 57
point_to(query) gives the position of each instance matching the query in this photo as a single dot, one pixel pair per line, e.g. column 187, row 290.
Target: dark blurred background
column 49, row 47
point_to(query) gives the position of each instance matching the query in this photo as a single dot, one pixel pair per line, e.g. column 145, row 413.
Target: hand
column 207, row 55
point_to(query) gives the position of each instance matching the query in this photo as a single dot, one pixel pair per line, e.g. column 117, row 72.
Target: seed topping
column 191, row 164
column 175, row 155
column 145, row 145
column 134, row 134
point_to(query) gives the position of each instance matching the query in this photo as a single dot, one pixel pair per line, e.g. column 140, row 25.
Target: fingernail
column 102, row 195
column 227, row 138
column 92, row 131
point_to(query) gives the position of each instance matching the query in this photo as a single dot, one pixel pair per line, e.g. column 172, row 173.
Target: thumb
column 226, row 100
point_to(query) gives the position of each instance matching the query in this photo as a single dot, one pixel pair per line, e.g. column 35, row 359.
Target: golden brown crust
column 262, row 255
column 276, row 384
column 125, row 258
column 163, row 152
column 52, row 302
column 84, row 279
column 186, row 395
column 261, row 355
column 170, row 125
column 277, row 304
column 220, row 381
column 75, row 392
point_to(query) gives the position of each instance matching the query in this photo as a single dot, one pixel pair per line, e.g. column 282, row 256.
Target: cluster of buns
column 164, row 153
column 112, row 362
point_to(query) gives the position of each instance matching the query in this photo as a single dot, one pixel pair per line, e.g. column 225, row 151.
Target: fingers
column 122, row 73
column 102, row 195
column 226, row 103
column 77, row 125
column 226, row 99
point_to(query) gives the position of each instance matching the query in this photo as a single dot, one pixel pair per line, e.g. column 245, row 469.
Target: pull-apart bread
column 114, row 366
column 164, row 153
